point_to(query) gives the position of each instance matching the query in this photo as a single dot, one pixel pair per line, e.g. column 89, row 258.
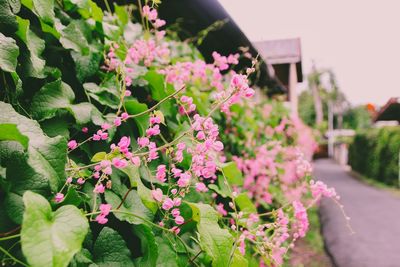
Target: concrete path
column 375, row 219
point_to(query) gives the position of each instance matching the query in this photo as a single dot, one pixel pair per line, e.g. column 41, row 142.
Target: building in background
column 283, row 59
column 389, row 114
column 193, row 18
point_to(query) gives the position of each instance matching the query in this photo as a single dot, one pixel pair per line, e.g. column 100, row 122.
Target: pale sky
column 358, row 39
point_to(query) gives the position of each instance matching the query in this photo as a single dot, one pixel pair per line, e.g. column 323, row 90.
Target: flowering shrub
column 120, row 146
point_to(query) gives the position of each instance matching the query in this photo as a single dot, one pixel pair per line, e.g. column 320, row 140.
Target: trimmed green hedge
column 375, row 153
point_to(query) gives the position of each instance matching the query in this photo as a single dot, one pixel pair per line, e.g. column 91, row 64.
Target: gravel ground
column 375, row 219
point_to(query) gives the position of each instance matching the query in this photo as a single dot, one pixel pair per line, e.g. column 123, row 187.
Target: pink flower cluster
column 151, row 14
column 104, row 211
column 319, row 189
column 204, row 154
column 223, row 62
column 238, row 89
column 301, row 224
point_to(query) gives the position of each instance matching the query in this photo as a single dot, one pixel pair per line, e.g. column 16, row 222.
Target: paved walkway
column 375, row 219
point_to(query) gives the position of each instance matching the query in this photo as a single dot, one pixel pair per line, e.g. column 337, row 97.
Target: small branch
column 156, row 105
column 194, row 258
column 124, row 198
column 10, row 232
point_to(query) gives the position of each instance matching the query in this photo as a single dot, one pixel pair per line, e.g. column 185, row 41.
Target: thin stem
column 10, row 232
column 156, row 105
column 12, row 257
column 10, row 237
column 124, row 198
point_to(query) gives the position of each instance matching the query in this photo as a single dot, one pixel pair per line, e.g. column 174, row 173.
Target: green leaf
column 239, row 260
column 222, row 188
column 56, row 126
column 58, row 95
column 99, row 156
column 245, row 204
column 46, row 157
column 72, row 198
column 110, row 249
column 134, row 107
column 131, row 205
column 14, row 207
column 169, row 254
column 122, row 14
column 73, row 38
column 51, row 238
column 7, row 18
column 43, row 8
column 50, row 98
column 86, row 65
column 9, row 52
column 33, row 64
column 143, row 192
column 147, row 244
column 232, row 173
column 10, row 132
column 215, row 241
column 159, row 90
column 105, row 96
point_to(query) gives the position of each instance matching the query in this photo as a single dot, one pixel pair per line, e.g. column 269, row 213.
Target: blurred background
column 335, row 64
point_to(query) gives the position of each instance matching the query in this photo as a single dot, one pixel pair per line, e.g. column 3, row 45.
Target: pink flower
column 155, row 130
column 124, row 116
column 242, row 247
column 124, row 144
column 101, row 219
column 221, row 210
column 319, row 189
column 161, row 173
column 179, row 220
column 69, row 180
column 153, row 154
column 136, row 161
column 168, row 204
column 300, row 213
column 175, row 230
column 200, row 135
column 105, row 163
column 105, row 209
column 107, row 170
column 159, row 23
column 184, row 179
column 85, row 129
column 201, row 187
column 80, row 180
column 218, row 146
column 119, row 163
column 59, row 197
column 99, row 189
column 176, row 172
column 177, row 201
column 72, row 144
column 105, row 126
column 100, row 135
column 175, row 212
column 128, row 93
column 154, row 120
column 117, row 121
column 181, row 146
column 143, row 141
column 157, row 194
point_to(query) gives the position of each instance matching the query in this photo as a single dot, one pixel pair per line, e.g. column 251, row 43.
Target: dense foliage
column 375, row 154
column 120, row 146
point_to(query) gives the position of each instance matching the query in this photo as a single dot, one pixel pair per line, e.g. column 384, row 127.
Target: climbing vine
column 121, row 146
